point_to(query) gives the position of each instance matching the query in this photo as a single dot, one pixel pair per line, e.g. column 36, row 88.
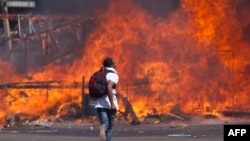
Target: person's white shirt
column 104, row 102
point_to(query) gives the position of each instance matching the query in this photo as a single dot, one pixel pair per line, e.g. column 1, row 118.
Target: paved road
column 122, row 132
column 13, row 137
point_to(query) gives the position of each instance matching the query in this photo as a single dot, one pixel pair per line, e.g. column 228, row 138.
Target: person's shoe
column 102, row 133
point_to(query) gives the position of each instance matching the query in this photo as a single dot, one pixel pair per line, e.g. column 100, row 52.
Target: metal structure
column 51, row 38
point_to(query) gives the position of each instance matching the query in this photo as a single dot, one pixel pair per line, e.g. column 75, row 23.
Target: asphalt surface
column 209, row 130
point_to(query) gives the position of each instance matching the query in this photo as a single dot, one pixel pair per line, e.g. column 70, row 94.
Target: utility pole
column 6, row 26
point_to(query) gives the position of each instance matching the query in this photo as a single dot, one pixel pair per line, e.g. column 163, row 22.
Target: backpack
column 98, row 83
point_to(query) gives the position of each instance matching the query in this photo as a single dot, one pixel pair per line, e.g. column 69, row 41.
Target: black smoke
column 88, row 7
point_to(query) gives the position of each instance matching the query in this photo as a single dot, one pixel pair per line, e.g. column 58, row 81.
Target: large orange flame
column 197, row 58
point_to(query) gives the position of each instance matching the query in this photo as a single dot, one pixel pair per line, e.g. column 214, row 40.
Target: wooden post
column 83, row 98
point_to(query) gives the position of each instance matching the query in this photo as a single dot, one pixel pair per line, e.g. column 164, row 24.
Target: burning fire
column 196, row 57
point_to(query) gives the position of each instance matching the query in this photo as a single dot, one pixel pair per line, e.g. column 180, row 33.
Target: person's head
column 108, row 62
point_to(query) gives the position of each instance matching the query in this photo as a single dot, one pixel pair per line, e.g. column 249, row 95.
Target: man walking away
column 107, row 105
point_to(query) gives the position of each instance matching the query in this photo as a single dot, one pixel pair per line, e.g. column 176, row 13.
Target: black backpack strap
column 102, row 68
